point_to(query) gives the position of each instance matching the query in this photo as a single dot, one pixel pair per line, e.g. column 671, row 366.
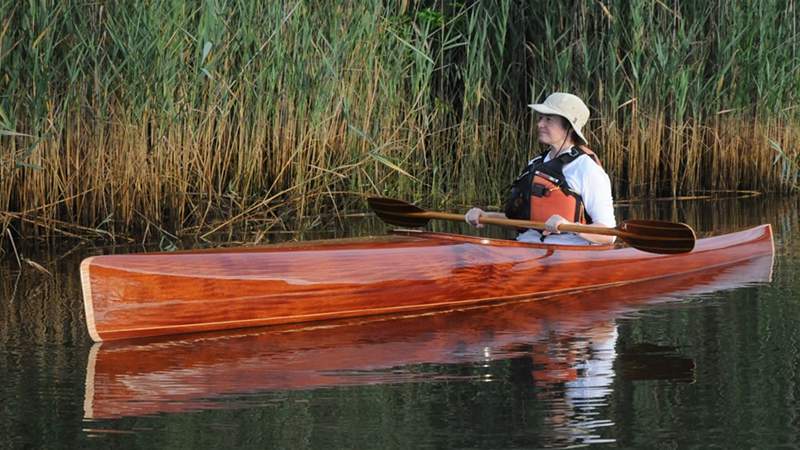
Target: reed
column 166, row 118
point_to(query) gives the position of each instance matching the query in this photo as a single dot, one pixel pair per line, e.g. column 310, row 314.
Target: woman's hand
column 473, row 216
column 553, row 223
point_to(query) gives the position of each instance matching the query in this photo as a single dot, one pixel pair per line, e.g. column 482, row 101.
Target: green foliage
column 190, row 114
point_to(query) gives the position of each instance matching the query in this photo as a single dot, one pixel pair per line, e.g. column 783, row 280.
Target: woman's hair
column 572, row 134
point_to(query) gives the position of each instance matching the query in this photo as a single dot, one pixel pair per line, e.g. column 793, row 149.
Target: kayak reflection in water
column 565, row 184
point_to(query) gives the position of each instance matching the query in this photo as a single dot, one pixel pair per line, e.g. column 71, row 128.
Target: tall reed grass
column 166, row 118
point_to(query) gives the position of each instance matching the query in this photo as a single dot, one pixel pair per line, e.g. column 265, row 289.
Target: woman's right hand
column 473, row 216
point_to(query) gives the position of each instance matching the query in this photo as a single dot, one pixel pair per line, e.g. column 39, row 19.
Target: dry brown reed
column 165, row 119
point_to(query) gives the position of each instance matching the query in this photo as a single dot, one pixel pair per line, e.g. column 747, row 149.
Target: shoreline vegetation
column 169, row 118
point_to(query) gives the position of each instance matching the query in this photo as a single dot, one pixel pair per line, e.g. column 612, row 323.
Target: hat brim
column 544, row 109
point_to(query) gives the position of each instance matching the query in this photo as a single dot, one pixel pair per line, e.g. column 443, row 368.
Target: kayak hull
column 154, row 294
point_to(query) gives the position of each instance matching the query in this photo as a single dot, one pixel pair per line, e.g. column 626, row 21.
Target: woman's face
column 552, row 131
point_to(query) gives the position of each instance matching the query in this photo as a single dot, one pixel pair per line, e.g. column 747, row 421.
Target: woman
column 566, row 184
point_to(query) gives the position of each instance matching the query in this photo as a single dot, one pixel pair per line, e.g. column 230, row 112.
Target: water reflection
column 563, row 349
column 577, row 387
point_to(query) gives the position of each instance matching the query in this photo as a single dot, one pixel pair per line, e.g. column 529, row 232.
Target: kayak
column 155, row 294
column 216, row 369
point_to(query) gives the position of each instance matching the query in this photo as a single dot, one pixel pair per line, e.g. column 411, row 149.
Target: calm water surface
column 707, row 360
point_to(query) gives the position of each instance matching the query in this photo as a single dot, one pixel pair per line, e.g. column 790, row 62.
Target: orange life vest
column 542, row 190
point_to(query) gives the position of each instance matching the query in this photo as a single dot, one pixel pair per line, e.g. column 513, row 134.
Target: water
column 708, row 360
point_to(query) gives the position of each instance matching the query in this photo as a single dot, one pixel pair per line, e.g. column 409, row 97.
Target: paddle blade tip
column 397, row 212
column 657, row 236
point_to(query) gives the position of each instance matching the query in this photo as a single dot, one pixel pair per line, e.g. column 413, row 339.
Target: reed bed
column 165, row 118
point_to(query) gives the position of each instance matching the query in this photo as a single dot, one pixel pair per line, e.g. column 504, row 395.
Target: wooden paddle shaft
column 514, row 223
column 647, row 235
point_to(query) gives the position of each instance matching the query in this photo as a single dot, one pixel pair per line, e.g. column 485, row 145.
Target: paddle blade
column 656, row 236
column 397, row 212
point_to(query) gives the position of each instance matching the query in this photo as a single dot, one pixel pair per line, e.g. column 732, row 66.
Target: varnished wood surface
column 161, row 375
column 139, row 295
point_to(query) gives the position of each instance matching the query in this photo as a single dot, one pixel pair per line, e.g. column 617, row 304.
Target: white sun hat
column 567, row 106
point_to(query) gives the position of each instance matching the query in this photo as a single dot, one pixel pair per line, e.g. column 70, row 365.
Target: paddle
column 652, row 236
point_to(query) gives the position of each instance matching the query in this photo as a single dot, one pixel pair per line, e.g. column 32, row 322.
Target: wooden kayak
column 208, row 370
column 154, row 294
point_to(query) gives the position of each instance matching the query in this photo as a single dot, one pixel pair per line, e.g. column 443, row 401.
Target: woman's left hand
column 553, row 222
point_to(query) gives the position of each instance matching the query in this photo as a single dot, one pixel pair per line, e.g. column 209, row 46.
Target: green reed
column 169, row 118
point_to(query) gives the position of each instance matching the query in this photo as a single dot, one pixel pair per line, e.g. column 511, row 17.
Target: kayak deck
column 151, row 294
